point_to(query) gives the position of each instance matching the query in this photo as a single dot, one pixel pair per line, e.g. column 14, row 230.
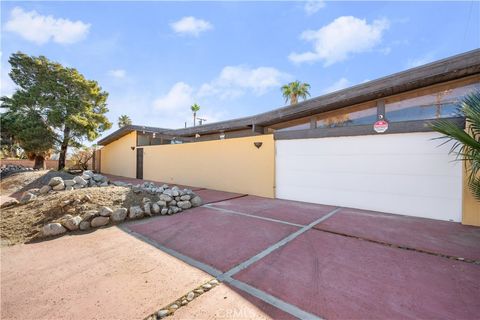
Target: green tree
column 195, row 108
column 68, row 104
column 294, row 90
column 31, row 132
column 466, row 144
column 124, row 120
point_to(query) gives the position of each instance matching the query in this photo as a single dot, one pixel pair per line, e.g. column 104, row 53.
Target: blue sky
column 157, row 58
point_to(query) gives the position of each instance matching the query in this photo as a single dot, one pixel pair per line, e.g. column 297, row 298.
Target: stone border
column 184, row 300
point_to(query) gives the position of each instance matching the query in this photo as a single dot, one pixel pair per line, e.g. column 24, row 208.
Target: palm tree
column 466, row 142
column 124, row 120
column 295, row 89
column 195, row 108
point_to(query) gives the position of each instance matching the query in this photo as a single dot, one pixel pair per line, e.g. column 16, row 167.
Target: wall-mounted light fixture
column 197, row 135
column 133, row 148
column 222, row 136
column 258, row 144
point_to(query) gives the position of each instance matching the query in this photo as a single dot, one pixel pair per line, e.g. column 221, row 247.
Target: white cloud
column 39, row 29
column 179, row 97
column 234, row 81
column 426, row 58
column 313, row 6
column 118, row 73
column 7, row 86
column 342, row 83
column 191, row 26
column 339, row 39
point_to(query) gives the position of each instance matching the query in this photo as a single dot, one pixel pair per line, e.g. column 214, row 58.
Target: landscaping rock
column 84, row 225
column 164, row 211
column 79, row 180
column 119, row 215
column 147, row 208
column 184, row 302
column 198, row 291
column 72, row 223
column 135, row 212
column 9, row 203
column 165, row 197
column 105, row 211
column 103, row 184
column 145, row 200
column 196, row 201
column 162, row 313
column 190, row 296
column 53, row 229
column 184, row 204
column 77, row 186
column 90, row 215
column 54, row 181
column 70, row 182
column 68, row 188
column 172, row 203
column 186, row 197
column 88, row 173
column 119, row 183
column 162, row 203
column 98, row 177
column 45, row 189
column 99, row 221
column 207, row 286
column 27, row 197
column 214, row 282
column 85, row 177
column 155, row 208
column 59, row 187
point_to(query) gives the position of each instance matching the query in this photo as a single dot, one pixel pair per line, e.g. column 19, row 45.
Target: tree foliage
column 195, row 108
column 60, row 101
column 295, row 90
column 466, row 143
column 124, row 120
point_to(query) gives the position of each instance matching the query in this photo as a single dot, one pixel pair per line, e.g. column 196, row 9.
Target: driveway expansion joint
column 397, row 246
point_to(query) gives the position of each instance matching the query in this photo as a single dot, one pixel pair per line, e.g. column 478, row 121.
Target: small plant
column 466, row 142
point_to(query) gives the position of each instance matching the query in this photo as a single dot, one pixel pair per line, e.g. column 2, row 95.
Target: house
column 369, row 147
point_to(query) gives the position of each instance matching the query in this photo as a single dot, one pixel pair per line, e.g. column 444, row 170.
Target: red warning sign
column 380, row 126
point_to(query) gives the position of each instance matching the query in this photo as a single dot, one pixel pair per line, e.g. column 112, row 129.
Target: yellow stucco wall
column 470, row 205
column 234, row 165
column 118, row 158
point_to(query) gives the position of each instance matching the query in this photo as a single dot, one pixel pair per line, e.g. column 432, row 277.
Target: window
column 351, row 116
column 433, row 103
column 149, row 139
column 299, row 124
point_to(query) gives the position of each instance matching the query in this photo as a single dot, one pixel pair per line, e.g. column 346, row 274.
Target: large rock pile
column 166, row 201
column 7, row 169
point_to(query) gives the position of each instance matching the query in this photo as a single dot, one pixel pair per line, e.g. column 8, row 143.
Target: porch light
column 222, row 136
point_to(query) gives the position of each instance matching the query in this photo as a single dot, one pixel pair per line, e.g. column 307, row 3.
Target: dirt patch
column 22, row 223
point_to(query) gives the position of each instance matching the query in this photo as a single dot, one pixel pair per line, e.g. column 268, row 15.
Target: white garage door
column 404, row 173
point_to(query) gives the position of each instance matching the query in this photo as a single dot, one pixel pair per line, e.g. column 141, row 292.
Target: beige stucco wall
column 234, row 165
column 118, row 158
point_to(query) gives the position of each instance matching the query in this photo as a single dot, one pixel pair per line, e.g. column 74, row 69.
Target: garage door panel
column 378, row 183
column 399, row 173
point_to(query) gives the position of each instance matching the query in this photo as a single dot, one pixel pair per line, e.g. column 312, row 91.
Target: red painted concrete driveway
column 314, row 261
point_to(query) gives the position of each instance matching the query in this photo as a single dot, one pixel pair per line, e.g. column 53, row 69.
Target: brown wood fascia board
column 126, row 130
column 393, row 127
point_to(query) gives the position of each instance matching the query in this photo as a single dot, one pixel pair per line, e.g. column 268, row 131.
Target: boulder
column 79, row 180
column 175, row 193
column 164, row 211
column 45, row 189
column 53, row 229
column 119, row 215
column 186, row 197
column 135, row 212
column 147, row 208
column 184, row 204
column 98, row 177
column 105, row 211
column 59, row 187
column 69, row 188
column 72, row 223
column 173, row 203
column 84, row 225
column 196, row 201
column 162, row 203
column 85, row 177
column 54, row 181
column 9, row 203
column 90, row 215
column 165, row 197
column 155, row 208
column 88, row 173
column 77, row 186
column 27, row 197
column 99, row 221
column 70, row 182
